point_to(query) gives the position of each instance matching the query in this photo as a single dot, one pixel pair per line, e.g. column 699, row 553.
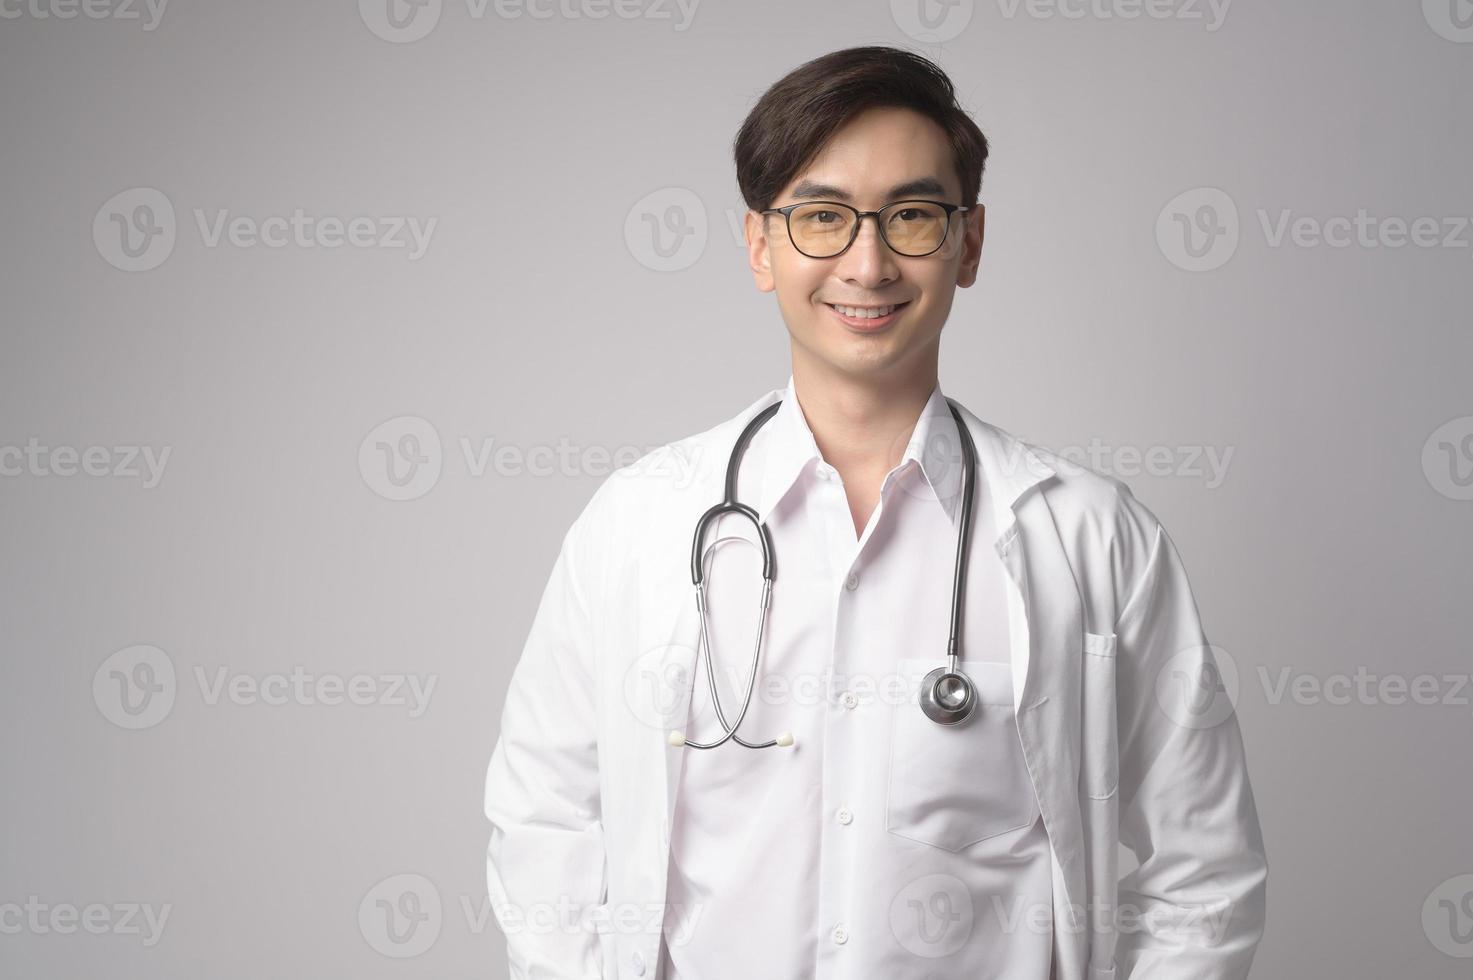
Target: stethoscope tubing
column 947, row 715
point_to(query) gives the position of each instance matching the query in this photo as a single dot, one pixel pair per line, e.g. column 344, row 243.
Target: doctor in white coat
column 867, row 840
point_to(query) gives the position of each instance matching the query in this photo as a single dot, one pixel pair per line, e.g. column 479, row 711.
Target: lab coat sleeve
column 545, row 861
column 1195, row 906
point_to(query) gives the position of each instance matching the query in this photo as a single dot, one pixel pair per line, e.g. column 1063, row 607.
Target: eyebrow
column 921, row 185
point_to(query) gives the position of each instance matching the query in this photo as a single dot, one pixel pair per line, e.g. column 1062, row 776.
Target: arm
column 1195, row 906
column 545, row 861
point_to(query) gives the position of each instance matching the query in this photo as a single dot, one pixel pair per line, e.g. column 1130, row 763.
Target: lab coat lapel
column 1048, row 705
column 1045, row 690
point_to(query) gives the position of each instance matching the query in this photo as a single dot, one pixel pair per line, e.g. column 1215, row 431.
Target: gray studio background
column 196, row 504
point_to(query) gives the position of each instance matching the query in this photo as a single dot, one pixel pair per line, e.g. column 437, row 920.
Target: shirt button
column 841, row 935
column 845, row 816
column 852, row 582
column 849, row 700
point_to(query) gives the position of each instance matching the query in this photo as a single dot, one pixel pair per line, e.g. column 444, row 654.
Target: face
column 883, row 155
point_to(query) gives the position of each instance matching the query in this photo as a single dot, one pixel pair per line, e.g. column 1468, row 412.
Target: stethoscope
column 948, row 697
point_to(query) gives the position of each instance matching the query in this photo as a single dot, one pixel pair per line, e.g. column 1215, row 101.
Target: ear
column 974, row 224
column 759, row 251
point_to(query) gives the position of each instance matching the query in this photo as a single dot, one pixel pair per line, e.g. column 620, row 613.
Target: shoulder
column 681, row 477
column 1082, row 495
column 1104, row 527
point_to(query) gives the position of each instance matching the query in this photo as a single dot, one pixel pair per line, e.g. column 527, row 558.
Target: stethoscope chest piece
column 948, row 697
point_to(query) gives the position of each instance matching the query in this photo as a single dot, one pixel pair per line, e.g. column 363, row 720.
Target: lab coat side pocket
column 1100, row 751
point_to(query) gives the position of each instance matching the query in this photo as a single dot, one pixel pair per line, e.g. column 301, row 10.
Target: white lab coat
column 580, row 790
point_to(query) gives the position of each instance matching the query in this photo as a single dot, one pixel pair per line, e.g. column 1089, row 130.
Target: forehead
column 880, row 155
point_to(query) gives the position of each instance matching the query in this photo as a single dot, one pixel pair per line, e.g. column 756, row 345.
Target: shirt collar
column 789, row 449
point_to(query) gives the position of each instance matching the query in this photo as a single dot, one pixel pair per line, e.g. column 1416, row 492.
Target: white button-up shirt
column 880, row 844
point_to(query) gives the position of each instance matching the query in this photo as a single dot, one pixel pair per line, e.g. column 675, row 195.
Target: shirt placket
column 839, row 837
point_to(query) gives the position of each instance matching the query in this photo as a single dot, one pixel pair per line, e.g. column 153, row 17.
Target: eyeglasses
column 824, row 229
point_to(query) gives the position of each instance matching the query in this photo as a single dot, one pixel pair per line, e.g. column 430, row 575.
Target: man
column 866, row 839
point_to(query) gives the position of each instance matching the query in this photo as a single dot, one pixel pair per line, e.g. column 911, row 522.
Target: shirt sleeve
column 1195, row 905
column 545, row 860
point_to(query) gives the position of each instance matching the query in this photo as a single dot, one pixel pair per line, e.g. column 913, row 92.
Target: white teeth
column 866, row 314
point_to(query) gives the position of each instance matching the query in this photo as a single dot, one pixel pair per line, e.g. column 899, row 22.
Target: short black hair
column 798, row 115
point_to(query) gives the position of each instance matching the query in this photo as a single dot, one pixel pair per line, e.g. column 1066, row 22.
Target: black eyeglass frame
column 787, row 212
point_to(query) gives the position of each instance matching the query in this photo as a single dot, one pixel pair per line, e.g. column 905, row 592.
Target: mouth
column 866, row 318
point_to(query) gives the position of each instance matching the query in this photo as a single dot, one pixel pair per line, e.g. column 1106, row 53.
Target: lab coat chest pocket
column 1100, row 750
column 952, row 786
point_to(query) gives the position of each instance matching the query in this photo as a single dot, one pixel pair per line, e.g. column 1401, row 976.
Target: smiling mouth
column 867, row 312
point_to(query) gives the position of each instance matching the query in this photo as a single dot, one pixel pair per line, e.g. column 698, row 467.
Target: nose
column 868, row 261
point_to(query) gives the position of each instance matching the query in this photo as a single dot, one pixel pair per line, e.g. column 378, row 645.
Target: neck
column 861, row 425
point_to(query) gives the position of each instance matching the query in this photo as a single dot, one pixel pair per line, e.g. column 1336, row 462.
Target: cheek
column 797, row 285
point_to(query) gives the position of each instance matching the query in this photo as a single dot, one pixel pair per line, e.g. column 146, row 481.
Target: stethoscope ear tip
column 677, row 739
column 785, row 739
